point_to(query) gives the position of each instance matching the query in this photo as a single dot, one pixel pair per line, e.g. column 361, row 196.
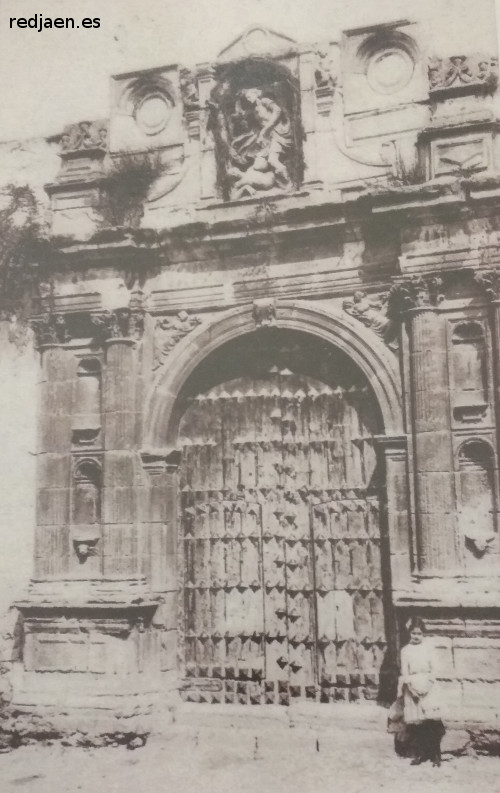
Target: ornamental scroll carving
column 463, row 72
column 84, row 136
column 254, row 117
column 168, row 332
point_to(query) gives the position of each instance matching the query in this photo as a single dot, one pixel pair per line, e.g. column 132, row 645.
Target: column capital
column 122, row 324
column 489, row 281
column 51, row 330
column 415, row 293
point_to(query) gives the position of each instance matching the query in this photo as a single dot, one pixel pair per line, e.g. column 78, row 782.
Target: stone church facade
column 268, row 403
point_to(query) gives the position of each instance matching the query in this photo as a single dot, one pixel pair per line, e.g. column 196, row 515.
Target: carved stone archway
column 375, row 360
column 164, row 408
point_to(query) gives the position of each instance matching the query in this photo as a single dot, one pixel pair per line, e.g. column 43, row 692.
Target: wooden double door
column 280, row 526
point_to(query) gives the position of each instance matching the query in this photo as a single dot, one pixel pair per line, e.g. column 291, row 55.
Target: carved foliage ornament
column 489, row 280
column 51, row 329
column 122, row 323
column 416, row 292
column 84, row 136
column 463, row 71
column 168, row 332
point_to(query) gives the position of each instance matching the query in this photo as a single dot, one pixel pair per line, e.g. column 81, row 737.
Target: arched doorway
column 281, row 528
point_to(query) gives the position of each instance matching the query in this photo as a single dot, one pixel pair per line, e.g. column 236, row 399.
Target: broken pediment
column 257, row 40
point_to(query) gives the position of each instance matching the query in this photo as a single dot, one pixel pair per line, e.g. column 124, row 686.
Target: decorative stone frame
column 163, row 411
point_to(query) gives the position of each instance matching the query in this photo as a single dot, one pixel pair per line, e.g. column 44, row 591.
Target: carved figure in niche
column 372, row 312
column 254, row 115
column 258, row 153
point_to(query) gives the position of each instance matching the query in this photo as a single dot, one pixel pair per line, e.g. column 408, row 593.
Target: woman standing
column 417, row 687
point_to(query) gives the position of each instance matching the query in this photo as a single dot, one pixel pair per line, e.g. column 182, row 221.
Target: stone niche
column 256, row 124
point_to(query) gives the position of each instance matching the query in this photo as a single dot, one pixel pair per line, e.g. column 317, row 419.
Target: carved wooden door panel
column 351, row 640
column 280, row 542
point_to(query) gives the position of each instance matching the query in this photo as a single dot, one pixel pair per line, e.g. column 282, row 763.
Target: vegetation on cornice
column 128, row 180
column 406, row 174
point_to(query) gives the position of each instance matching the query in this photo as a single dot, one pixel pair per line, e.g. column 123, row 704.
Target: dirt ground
column 266, row 759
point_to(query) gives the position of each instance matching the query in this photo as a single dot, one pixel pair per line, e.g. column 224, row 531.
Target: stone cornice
column 227, row 227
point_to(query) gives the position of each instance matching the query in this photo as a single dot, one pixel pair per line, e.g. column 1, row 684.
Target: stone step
column 304, row 715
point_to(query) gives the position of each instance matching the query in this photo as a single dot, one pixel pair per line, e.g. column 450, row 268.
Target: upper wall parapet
column 272, row 117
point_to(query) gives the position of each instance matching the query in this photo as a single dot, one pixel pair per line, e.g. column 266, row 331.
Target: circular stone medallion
column 152, row 114
column 390, row 71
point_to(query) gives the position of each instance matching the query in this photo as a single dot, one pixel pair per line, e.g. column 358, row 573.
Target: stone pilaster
column 434, row 486
column 208, row 170
column 398, row 515
column 121, row 551
column 436, row 542
column 160, row 547
column 52, row 547
column 489, row 280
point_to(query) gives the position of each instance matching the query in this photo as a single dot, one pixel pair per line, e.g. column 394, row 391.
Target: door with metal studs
column 280, row 533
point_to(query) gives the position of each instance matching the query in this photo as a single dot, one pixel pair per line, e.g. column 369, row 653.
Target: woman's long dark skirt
column 426, row 738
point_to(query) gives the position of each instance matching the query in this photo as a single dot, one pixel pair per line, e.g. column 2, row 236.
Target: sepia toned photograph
column 250, row 396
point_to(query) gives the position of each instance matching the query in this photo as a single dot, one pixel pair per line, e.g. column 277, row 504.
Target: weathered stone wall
column 354, row 242
column 18, row 399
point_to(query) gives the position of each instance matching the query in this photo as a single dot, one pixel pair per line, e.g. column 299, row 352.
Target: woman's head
column 416, row 629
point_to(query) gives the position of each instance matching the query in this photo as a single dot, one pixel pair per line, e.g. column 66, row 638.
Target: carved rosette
column 463, row 73
column 413, row 293
column 168, row 333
